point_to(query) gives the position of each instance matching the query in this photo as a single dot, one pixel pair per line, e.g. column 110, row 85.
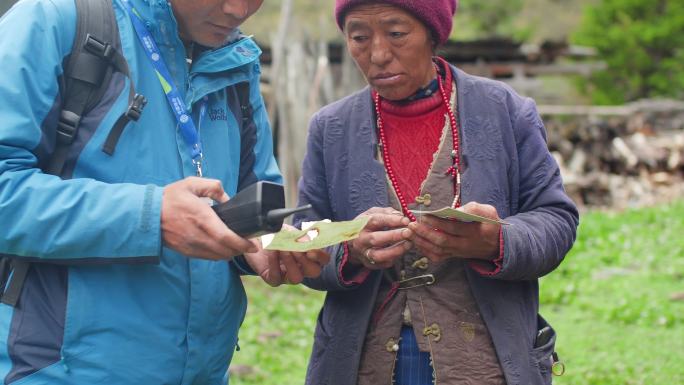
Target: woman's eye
column 359, row 38
column 398, row 34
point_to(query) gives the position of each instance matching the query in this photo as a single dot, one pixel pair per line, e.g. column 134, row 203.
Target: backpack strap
column 86, row 70
column 5, row 270
column 20, row 270
column 135, row 106
column 248, row 133
column 245, row 105
column 246, row 119
column 94, row 57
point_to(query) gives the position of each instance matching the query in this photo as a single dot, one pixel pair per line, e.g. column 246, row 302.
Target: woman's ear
column 433, row 42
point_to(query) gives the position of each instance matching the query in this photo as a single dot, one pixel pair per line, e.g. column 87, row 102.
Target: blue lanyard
column 187, row 125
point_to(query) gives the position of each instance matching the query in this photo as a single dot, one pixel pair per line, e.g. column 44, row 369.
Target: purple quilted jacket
column 506, row 164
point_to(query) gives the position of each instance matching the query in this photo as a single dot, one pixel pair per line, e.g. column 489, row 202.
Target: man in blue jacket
column 129, row 281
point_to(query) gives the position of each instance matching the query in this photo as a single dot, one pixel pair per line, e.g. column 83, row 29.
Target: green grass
column 276, row 337
column 614, row 299
column 617, row 303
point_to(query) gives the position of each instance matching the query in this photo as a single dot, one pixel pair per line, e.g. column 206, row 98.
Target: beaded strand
column 454, row 170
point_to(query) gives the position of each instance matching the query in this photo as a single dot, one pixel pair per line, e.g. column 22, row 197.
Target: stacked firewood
column 622, row 156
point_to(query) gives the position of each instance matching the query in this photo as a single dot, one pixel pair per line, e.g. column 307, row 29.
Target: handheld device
column 256, row 210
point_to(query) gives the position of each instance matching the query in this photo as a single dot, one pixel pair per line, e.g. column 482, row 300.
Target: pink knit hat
column 436, row 14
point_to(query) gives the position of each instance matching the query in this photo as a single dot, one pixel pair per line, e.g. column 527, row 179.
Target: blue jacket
column 506, row 164
column 111, row 304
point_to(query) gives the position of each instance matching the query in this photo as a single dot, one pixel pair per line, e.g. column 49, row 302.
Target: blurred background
column 608, row 79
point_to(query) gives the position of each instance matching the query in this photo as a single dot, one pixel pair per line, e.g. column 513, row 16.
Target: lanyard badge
column 186, row 124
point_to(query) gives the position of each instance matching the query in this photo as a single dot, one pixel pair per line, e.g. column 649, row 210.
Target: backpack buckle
column 98, row 47
column 67, row 127
column 136, row 107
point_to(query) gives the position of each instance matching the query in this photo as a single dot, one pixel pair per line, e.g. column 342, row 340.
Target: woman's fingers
column 382, row 210
column 293, row 272
column 436, row 236
column 384, row 221
column 385, row 257
column 448, row 226
column 319, row 256
column 381, row 239
column 430, row 250
column 311, row 263
column 376, row 240
column 460, row 228
column 434, row 243
column 487, row 211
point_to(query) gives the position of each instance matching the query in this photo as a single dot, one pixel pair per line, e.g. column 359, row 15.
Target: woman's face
column 391, row 47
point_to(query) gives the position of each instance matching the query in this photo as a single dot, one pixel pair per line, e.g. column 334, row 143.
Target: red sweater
column 413, row 131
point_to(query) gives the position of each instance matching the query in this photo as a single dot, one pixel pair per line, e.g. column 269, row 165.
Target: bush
column 642, row 42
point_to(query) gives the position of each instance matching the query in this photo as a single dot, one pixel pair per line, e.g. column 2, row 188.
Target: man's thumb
column 208, row 188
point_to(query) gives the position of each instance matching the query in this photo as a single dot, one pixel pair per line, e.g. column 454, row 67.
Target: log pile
column 619, row 157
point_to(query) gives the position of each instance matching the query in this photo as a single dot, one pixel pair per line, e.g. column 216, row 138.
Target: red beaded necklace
column 455, row 168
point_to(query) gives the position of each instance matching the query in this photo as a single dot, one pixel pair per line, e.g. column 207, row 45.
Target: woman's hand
column 278, row 267
column 384, row 239
column 439, row 239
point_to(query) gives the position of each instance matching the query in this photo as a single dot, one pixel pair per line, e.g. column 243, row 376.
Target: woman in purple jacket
column 419, row 300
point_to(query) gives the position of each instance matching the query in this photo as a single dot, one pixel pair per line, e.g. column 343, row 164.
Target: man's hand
column 278, row 267
column 191, row 227
column 439, row 239
column 384, row 239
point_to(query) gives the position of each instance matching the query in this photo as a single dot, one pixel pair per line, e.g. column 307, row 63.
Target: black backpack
column 95, row 56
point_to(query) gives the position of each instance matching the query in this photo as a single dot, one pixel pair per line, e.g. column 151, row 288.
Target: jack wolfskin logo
column 217, row 114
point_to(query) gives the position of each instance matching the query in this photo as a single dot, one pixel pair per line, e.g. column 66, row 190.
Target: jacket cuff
column 242, row 266
column 491, row 268
column 348, row 274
